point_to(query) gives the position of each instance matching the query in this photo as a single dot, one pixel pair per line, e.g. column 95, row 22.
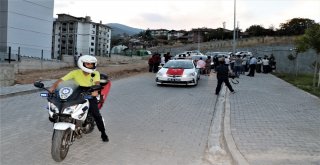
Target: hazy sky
column 188, row 14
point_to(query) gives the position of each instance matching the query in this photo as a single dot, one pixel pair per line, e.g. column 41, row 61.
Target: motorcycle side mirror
column 38, row 84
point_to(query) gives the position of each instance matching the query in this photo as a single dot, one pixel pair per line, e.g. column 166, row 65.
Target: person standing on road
column 265, row 65
column 87, row 76
column 201, row 65
column 208, row 66
column 237, row 65
column 150, row 63
column 252, row 65
column 156, row 62
column 167, row 57
column 222, row 76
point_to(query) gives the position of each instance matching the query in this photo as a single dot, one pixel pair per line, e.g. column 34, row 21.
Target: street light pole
column 234, row 28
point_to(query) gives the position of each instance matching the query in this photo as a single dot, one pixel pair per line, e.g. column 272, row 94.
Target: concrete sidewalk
column 21, row 89
column 269, row 121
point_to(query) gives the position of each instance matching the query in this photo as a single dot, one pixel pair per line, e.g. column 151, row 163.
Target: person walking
column 223, row 76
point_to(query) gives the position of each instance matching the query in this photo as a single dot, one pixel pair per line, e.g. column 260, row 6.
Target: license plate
column 173, row 79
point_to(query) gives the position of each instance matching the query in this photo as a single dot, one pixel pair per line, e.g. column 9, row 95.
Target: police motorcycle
column 68, row 109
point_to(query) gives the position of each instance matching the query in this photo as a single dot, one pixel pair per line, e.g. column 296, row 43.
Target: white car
column 181, row 72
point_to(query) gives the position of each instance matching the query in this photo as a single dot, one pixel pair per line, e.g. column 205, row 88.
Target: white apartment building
column 79, row 35
column 25, row 27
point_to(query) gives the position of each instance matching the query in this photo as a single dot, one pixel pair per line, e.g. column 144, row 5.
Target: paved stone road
column 146, row 124
column 273, row 122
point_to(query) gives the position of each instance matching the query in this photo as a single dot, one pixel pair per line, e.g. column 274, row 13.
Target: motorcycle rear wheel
column 60, row 144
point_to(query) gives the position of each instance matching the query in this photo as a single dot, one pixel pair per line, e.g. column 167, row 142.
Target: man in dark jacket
column 222, row 76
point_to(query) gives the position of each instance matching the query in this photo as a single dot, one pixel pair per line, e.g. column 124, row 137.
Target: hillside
column 123, row 29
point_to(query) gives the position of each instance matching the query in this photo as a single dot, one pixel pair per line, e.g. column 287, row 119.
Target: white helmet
column 87, row 59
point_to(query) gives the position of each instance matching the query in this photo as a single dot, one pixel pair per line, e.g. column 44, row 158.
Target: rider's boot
column 104, row 136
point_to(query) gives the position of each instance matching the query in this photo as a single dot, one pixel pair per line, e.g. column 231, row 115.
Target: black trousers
column 252, row 70
column 150, row 67
column 95, row 112
column 226, row 81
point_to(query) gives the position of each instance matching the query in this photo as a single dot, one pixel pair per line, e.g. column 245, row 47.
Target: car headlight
column 189, row 74
column 159, row 74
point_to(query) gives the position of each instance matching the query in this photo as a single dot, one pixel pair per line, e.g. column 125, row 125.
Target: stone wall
column 7, row 75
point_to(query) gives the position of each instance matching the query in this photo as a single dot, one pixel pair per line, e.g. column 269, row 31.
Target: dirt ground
column 114, row 70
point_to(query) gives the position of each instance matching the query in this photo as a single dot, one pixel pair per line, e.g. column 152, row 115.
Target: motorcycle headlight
column 69, row 110
column 65, row 92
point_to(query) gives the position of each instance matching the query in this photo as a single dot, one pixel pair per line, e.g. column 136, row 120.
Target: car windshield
column 179, row 64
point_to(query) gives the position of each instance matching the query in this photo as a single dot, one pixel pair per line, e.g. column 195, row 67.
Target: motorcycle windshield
column 67, row 89
column 68, row 93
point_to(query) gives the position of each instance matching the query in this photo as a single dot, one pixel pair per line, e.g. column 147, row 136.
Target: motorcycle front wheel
column 60, row 144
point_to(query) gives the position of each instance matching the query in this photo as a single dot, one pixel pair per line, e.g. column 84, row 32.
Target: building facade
column 25, row 27
column 79, row 35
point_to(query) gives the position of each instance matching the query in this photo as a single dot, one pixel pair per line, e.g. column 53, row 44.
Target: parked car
column 219, row 54
column 242, row 53
column 180, row 72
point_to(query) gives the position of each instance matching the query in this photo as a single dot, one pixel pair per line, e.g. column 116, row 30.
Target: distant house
column 159, row 32
column 175, row 35
column 79, row 35
column 197, row 35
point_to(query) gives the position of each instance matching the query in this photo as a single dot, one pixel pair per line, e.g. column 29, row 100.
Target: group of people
column 240, row 65
column 156, row 60
column 204, row 65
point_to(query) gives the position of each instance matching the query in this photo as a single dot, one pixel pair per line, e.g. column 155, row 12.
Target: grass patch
column 302, row 81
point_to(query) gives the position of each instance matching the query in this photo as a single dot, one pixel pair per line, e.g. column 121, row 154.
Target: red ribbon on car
column 175, row 72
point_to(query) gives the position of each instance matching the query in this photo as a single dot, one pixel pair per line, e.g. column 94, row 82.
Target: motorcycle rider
column 87, row 76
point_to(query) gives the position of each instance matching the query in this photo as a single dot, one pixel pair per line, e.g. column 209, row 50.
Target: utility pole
column 234, row 28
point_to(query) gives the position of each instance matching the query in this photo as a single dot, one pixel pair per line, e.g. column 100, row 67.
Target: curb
column 22, row 89
column 19, row 93
column 232, row 148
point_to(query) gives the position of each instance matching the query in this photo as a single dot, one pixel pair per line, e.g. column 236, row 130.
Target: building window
column 92, row 38
column 92, row 44
column 92, row 50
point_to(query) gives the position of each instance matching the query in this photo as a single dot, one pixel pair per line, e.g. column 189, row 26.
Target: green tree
column 256, row 30
column 295, row 26
column 311, row 40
